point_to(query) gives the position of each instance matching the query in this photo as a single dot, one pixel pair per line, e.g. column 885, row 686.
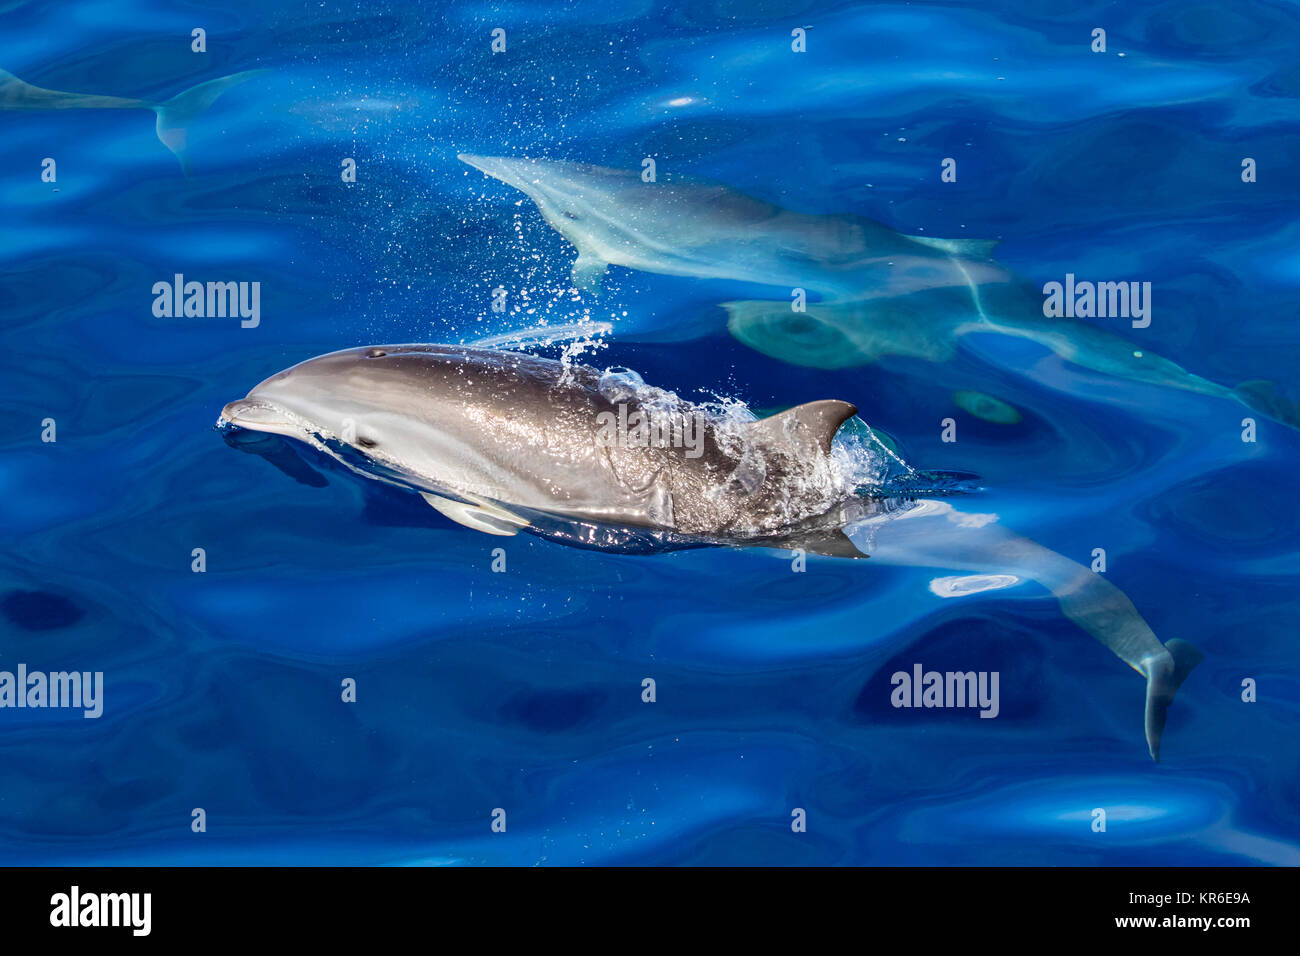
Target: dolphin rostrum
column 504, row 441
column 881, row 292
column 173, row 115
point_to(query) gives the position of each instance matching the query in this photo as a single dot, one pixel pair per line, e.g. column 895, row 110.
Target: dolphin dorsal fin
column 806, row 427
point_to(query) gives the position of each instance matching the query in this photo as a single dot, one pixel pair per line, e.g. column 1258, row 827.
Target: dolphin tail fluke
column 1263, row 396
column 175, row 115
column 1165, row 674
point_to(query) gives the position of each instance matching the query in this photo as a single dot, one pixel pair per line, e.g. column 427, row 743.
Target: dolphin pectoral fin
column 589, row 272
column 175, row 115
column 484, row 517
column 1165, row 674
column 806, row 428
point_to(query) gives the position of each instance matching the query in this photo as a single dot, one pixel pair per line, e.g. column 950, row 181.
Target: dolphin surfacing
column 504, row 441
column 173, row 116
column 489, row 437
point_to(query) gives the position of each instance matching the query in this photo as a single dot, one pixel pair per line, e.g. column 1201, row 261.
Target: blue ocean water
column 522, row 690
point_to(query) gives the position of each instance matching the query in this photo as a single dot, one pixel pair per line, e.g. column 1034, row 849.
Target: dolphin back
column 16, row 94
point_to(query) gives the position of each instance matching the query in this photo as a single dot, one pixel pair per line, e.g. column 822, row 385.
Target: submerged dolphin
column 883, row 293
column 708, row 231
column 929, row 325
column 933, row 534
column 504, row 441
column 173, row 115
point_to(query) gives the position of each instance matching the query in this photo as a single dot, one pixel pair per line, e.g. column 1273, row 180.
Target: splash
column 584, row 333
column 755, row 489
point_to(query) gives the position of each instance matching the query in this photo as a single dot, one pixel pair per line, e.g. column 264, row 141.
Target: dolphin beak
column 519, row 173
column 260, row 416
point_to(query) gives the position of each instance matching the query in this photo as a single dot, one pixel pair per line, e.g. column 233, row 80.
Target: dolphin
column 489, row 437
column 934, row 534
column 708, row 231
column 505, row 441
column 172, row 116
column 880, row 292
column 929, row 325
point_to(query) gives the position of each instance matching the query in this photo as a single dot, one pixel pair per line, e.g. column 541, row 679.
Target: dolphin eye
column 376, row 353
column 366, row 442
column 570, row 215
